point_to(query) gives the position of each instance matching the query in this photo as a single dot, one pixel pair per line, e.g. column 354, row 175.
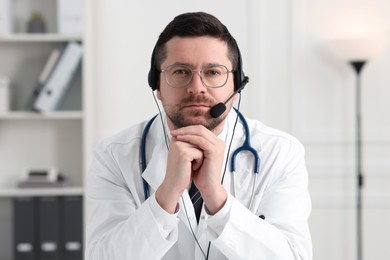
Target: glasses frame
column 200, row 72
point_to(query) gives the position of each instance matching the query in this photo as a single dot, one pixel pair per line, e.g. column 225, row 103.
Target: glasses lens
column 215, row 76
column 178, row 76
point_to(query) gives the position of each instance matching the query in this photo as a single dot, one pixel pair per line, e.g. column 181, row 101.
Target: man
column 146, row 212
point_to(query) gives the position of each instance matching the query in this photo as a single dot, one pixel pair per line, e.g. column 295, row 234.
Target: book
column 45, row 73
column 56, row 85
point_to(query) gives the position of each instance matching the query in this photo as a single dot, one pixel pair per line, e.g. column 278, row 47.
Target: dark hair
column 195, row 25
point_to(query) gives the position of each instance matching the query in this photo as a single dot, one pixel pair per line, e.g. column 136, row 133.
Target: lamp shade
column 358, row 48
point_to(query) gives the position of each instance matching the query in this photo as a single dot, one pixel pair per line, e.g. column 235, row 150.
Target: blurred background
column 297, row 56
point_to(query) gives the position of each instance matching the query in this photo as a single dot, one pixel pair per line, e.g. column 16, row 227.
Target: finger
column 186, row 151
column 195, row 131
column 196, row 164
column 192, row 129
column 204, row 143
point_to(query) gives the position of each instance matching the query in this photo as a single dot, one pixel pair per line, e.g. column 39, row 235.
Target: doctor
column 144, row 211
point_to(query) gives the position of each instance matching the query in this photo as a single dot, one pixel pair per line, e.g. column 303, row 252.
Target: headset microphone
column 217, row 110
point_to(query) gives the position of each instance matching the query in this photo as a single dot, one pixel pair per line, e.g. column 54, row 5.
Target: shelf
column 23, row 115
column 28, row 192
column 39, row 37
column 29, row 138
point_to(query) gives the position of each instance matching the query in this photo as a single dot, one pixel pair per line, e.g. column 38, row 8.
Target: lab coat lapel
column 155, row 170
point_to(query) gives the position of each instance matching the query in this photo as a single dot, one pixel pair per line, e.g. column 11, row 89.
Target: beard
column 181, row 115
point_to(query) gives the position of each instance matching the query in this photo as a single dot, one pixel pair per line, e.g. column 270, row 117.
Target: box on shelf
column 5, row 17
column 70, row 16
column 5, row 96
column 42, row 178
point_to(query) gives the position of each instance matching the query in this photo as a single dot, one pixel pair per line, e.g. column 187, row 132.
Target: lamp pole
column 358, row 65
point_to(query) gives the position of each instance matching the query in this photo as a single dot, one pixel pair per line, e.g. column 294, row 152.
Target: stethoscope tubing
column 246, row 146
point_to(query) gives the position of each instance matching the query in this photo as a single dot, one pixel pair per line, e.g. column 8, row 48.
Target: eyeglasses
column 180, row 76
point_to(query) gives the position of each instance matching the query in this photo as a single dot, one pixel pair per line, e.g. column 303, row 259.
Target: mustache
column 196, row 99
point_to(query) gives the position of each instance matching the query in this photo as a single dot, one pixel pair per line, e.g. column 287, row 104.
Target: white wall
column 323, row 89
column 296, row 84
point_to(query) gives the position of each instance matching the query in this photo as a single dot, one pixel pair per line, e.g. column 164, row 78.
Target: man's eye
column 212, row 72
column 181, row 72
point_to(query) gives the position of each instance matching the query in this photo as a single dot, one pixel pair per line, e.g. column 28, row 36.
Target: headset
column 240, row 80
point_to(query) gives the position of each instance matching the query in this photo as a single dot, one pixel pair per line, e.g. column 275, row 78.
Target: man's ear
column 158, row 93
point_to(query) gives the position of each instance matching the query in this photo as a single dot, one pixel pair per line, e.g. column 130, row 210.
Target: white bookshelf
column 41, row 192
column 40, row 37
column 24, row 115
column 33, row 139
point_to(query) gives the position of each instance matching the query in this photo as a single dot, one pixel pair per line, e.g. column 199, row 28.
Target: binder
column 25, row 220
column 72, row 225
column 58, row 82
column 49, row 228
column 46, row 71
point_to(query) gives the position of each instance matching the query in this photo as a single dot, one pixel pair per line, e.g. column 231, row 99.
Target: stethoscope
column 246, row 146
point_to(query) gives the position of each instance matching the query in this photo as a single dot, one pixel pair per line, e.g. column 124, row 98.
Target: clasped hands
column 195, row 153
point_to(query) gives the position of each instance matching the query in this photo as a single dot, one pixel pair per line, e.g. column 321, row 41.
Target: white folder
column 58, row 82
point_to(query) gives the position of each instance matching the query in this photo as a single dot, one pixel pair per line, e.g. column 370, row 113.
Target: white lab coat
column 121, row 225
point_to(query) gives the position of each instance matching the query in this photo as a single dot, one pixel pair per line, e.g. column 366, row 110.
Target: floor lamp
column 358, row 66
column 357, row 52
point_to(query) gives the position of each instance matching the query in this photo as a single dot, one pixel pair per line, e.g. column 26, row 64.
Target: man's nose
column 196, row 85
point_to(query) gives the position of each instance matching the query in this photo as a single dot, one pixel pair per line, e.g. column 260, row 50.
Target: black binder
column 72, row 225
column 25, row 219
column 49, row 228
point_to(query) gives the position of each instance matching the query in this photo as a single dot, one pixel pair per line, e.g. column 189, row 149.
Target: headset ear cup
column 240, row 80
column 153, row 72
column 152, row 80
column 237, row 79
